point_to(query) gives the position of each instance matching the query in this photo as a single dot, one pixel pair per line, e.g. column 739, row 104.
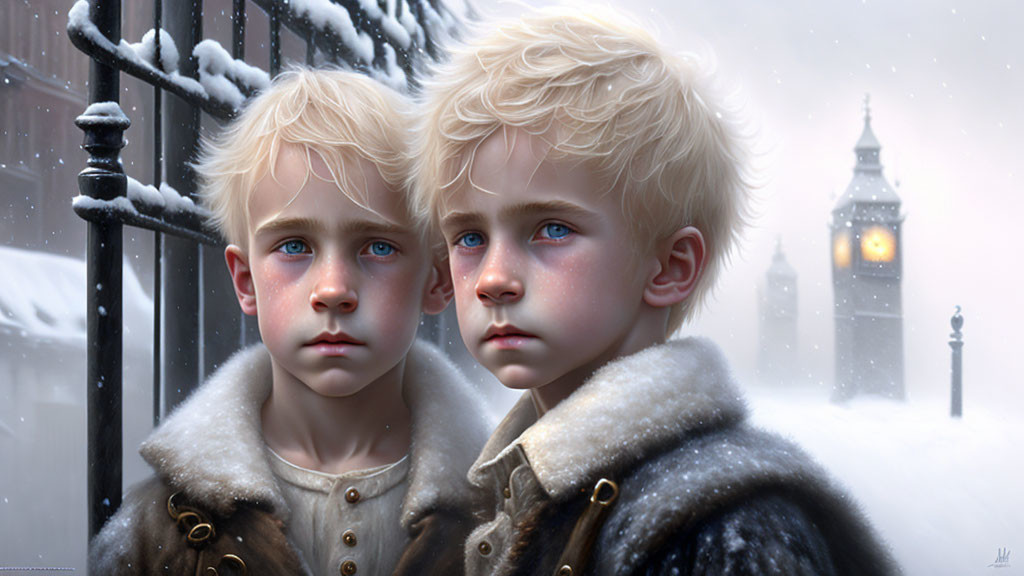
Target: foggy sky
column 946, row 102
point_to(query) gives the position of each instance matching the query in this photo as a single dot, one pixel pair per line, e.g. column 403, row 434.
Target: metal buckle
column 235, row 561
column 599, row 487
column 196, row 527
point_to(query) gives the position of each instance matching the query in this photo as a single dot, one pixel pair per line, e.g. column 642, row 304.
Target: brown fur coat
column 211, row 452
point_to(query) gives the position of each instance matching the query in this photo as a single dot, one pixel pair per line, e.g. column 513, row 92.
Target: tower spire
column 868, row 147
column 868, row 183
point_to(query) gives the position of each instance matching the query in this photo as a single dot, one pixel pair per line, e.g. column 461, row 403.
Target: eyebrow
column 314, row 225
column 282, row 224
column 457, row 219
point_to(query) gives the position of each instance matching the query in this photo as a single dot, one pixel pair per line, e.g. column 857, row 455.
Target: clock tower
column 777, row 360
column 867, row 267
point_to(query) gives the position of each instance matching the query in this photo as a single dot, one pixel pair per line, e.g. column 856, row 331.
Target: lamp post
column 957, row 344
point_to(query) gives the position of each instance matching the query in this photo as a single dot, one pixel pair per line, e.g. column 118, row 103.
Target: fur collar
column 212, row 445
column 628, row 410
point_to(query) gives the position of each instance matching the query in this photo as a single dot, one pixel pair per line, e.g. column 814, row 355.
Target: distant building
column 43, row 83
column 777, row 359
column 41, row 93
column 867, row 264
column 43, row 398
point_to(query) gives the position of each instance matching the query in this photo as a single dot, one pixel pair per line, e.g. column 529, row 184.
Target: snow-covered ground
column 945, row 493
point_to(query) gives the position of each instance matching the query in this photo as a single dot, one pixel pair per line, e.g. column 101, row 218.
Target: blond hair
column 341, row 116
column 644, row 121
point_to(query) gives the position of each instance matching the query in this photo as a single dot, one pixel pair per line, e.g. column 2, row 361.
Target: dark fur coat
column 700, row 490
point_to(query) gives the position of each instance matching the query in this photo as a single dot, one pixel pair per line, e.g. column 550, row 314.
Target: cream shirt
column 345, row 523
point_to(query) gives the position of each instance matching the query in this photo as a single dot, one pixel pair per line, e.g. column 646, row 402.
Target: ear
column 438, row 291
column 241, row 278
column 680, row 259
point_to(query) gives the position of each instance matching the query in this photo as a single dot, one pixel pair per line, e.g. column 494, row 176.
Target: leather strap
column 577, row 551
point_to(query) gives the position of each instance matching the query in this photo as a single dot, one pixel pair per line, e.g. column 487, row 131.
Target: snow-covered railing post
column 103, row 181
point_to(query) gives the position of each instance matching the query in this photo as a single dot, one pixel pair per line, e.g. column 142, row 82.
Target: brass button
column 352, row 496
column 349, row 538
column 348, row 568
column 565, row 570
column 507, row 492
column 484, row 547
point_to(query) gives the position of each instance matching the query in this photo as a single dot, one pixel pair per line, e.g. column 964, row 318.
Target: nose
column 333, row 289
column 499, row 281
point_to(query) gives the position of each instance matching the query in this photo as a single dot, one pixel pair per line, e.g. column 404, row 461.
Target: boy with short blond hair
column 332, row 447
column 588, row 185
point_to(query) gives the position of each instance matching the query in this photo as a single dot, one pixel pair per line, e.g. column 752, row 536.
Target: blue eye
column 470, row 240
column 294, row 247
column 555, row 231
column 381, row 249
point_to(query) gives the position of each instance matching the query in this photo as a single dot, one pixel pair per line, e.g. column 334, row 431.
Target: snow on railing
column 389, row 43
column 327, row 16
column 439, row 21
column 99, row 113
column 165, row 198
column 146, row 50
column 394, row 76
column 402, row 31
column 225, row 78
column 146, row 206
column 142, row 62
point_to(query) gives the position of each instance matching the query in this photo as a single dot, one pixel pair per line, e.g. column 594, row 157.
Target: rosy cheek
column 462, row 276
column 272, row 284
column 568, row 290
column 560, row 277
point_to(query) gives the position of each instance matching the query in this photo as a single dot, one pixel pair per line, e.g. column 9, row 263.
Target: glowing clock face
column 841, row 250
column 877, row 244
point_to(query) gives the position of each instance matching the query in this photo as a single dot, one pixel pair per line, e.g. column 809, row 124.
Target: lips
column 506, row 330
column 507, row 337
column 335, row 339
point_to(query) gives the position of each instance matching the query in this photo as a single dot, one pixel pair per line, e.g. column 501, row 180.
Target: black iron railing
column 385, row 39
